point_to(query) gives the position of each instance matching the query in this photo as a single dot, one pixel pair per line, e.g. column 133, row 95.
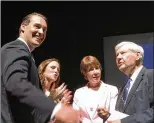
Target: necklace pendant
column 91, row 109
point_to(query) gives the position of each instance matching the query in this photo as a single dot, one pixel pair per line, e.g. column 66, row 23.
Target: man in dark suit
column 136, row 97
column 22, row 100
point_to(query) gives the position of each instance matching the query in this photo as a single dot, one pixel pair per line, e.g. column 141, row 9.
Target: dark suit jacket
column 22, row 100
column 140, row 101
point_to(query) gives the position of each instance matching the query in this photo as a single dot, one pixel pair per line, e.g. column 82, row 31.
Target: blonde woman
column 49, row 73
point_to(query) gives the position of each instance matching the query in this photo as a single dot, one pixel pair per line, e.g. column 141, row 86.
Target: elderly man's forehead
column 125, row 47
column 128, row 46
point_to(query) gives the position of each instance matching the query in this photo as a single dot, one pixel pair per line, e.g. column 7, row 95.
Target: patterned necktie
column 125, row 93
column 32, row 58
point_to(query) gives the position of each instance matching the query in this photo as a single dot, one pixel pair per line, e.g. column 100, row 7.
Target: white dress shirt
column 133, row 77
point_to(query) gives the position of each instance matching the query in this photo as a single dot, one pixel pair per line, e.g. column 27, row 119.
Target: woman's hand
column 103, row 113
column 67, row 97
column 58, row 93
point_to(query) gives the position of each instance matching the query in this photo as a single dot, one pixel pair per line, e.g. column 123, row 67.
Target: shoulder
column 14, row 48
column 150, row 71
column 13, row 52
column 80, row 90
column 147, row 73
column 110, row 86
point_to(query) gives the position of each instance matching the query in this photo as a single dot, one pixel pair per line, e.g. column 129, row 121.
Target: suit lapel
column 19, row 42
column 22, row 44
column 120, row 102
column 134, row 87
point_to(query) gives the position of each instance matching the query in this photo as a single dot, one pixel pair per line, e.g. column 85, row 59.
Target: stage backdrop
column 111, row 73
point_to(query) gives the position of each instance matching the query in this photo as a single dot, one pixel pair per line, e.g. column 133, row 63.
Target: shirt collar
column 21, row 39
column 135, row 74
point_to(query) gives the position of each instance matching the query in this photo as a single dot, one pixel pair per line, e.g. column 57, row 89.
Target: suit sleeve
column 140, row 117
column 15, row 77
column 145, row 116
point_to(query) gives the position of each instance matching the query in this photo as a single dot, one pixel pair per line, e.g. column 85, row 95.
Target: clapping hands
column 57, row 93
column 61, row 94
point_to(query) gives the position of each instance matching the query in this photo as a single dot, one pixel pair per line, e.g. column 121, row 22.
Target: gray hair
column 131, row 46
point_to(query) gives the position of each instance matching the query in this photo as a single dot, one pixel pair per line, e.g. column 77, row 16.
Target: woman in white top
column 95, row 94
column 49, row 73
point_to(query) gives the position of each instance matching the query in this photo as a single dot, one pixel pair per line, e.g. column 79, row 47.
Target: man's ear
column 138, row 56
column 22, row 27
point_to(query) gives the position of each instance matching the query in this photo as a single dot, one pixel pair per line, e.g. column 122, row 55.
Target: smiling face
column 52, row 71
column 91, row 69
column 34, row 32
column 93, row 76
